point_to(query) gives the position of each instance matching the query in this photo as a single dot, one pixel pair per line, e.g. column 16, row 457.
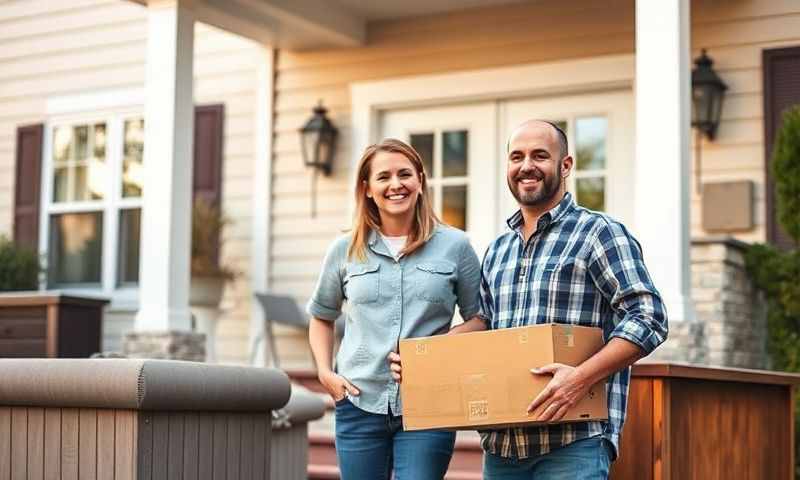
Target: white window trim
column 369, row 99
column 112, row 107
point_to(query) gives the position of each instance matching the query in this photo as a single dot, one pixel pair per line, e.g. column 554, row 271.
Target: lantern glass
column 310, row 141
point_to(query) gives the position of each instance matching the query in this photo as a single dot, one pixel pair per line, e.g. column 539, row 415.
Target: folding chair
column 282, row 309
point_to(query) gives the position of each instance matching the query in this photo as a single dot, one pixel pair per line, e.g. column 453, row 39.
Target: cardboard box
column 483, row 379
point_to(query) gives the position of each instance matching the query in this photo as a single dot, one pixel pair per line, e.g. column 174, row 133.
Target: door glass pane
column 423, row 144
column 75, row 253
column 81, row 142
column 454, row 153
column 454, row 206
column 79, row 163
column 591, row 193
column 590, row 138
column 132, row 172
column 129, row 234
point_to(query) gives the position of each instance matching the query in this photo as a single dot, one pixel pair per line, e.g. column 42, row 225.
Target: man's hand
column 564, row 391
column 396, row 367
column 336, row 385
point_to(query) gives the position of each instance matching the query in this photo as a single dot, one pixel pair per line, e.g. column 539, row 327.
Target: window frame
column 121, row 295
column 437, row 183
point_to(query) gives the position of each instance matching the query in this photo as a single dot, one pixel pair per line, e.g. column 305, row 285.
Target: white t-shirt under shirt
column 394, row 244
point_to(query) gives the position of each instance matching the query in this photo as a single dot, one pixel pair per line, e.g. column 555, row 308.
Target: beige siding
column 735, row 32
column 50, row 49
column 83, row 45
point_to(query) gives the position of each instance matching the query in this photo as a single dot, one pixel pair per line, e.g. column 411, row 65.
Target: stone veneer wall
column 729, row 328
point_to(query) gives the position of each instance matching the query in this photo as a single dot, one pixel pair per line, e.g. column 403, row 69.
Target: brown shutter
column 27, row 180
column 781, row 90
column 207, row 176
column 207, row 181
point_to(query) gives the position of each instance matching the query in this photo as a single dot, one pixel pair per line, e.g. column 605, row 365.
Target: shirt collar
column 553, row 215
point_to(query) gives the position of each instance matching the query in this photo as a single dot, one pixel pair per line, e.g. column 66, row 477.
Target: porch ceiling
column 299, row 24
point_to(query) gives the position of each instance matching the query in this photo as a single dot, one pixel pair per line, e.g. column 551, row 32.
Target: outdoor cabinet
column 48, row 324
column 690, row 422
column 126, row 419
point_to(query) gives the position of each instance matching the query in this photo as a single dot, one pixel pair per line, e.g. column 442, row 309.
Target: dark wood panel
column 124, row 444
column 260, row 443
column 69, row 443
column 19, row 443
column 87, row 443
column 21, row 313
column 144, row 445
column 52, row 443
column 191, row 430
column 726, row 431
column 234, row 446
column 220, row 445
column 23, row 328
column 205, row 446
column 79, row 332
column 160, row 445
column 35, row 444
column 22, row 348
column 5, row 443
column 635, row 460
column 176, row 442
column 106, row 437
column 247, row 448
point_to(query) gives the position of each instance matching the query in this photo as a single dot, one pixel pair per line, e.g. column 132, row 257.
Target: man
column 561, row 263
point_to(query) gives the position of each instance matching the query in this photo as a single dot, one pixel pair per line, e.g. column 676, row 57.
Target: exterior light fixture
column 318, row 146
column 708, row 90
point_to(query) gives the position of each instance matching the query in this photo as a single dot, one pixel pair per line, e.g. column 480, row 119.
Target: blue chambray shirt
column 388, row 300
column 583, row 268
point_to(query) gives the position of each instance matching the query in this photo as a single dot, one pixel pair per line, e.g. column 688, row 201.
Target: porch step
column 465, row 465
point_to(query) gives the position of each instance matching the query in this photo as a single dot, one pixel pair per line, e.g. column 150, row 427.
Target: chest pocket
column 435, row 282
column 362, row 283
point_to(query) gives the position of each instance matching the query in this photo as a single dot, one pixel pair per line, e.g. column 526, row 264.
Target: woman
column 401, row 272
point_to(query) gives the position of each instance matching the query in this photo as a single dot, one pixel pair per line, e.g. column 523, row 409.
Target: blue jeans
column 369, row 446
column 587, row 459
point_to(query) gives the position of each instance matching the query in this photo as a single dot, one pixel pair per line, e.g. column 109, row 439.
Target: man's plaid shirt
column 579, row 267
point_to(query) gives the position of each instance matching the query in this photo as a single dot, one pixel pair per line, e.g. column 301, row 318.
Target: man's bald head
column 559, row 134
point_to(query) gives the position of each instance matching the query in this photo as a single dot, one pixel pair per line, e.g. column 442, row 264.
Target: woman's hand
column 336, row 385
column 395, row 366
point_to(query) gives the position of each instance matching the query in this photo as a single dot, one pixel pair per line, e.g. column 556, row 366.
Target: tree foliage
column 777, row 273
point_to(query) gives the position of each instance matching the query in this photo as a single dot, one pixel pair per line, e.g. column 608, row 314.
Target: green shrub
column 777, row 273
column 19, row 267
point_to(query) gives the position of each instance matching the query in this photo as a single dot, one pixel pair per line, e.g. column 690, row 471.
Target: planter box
column 49, row 324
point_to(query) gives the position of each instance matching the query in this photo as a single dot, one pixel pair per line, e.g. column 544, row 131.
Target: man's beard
column 542, row 196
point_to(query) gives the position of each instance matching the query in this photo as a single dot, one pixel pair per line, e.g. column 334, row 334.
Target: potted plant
column 208, row 275
column 19, row 267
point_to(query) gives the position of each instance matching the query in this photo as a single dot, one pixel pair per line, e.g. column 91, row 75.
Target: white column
column 262, row 194
column 661, row 198
column 166, row 213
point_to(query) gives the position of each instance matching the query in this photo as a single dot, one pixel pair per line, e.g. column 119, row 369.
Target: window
column 444, row 154
column 587, row 138
column 93, row 201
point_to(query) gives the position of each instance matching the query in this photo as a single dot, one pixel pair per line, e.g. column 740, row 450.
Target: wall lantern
column 708, row 91
column 318, row 145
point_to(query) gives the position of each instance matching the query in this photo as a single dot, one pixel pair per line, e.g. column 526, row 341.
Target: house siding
column 50, row 49
column 734, row 32
column 76, row 46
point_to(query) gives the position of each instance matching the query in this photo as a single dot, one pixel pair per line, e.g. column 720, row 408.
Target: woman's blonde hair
column 367, row 217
